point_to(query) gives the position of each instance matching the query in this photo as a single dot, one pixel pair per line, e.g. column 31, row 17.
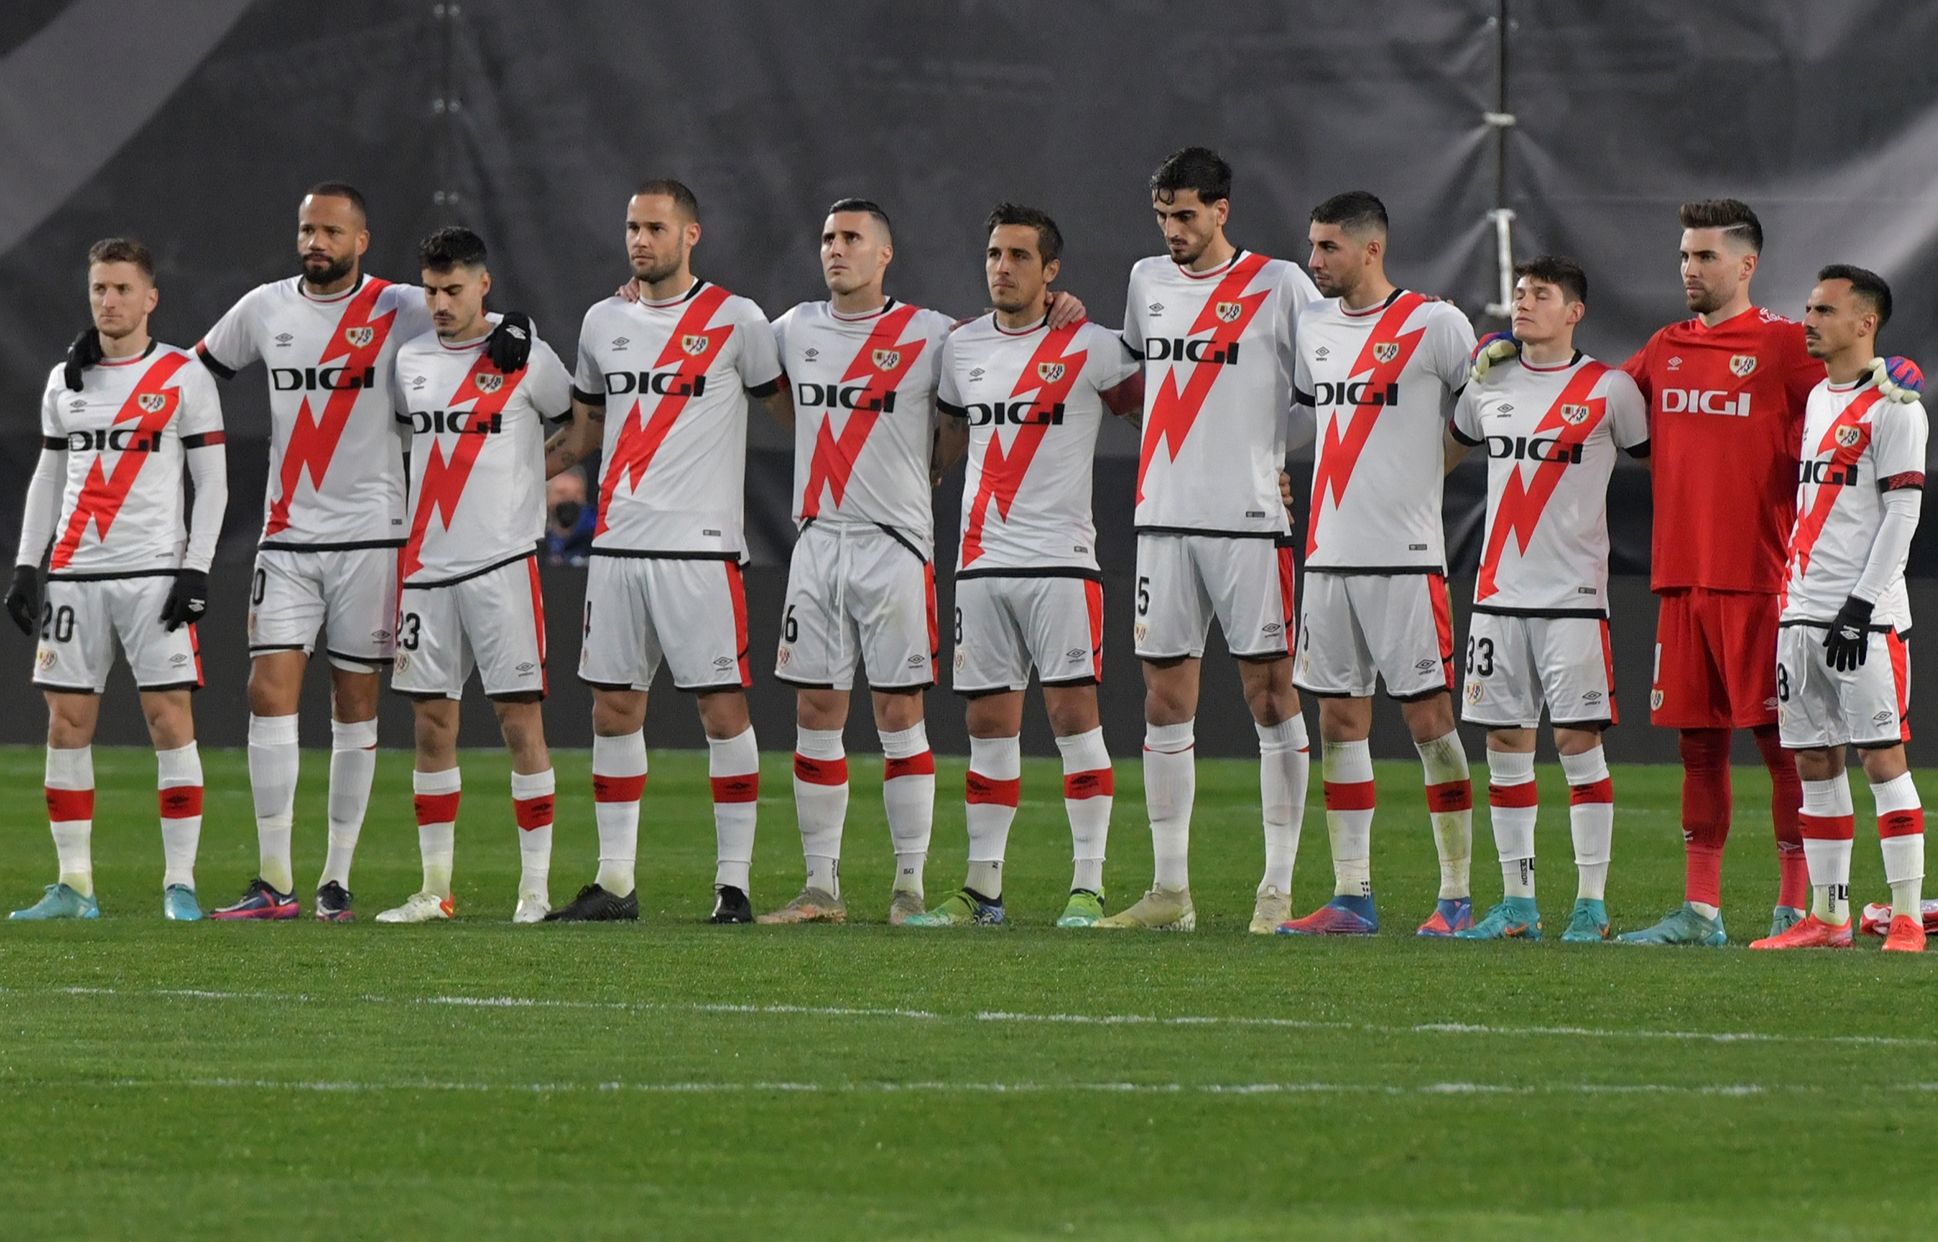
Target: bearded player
column 667, row 376
column 1842, row 668
column 1729, row 385
column 1381, row 367
column 326, row 567
column 121, row 423
column 1029, row 399
column 1551, row 420
column 1214, row 325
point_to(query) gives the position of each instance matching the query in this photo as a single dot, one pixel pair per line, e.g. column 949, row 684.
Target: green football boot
column 1783, row 918
column 59, row 902
column 1681, row 925
column 1516, row 918
column 179, row 904
column 963, row 908
column 1083, row 909
column 1587, row 923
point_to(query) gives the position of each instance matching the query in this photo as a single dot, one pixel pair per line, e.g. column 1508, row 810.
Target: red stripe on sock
column 821, row 771
column 1602, row 790
column 1450, row 796
column 1096, row 783
column 1828, row 827
column 66, row 805
column 979, row 789
column 1524, row 794
column 915, row 765
column 529, row 812
column 180, row 801
column 1349, row 795
column 1905, row 823
column 618, row 788
column 436, row 808
column 742, row 788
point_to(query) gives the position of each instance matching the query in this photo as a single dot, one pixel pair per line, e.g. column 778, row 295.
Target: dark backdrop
column 196, row 127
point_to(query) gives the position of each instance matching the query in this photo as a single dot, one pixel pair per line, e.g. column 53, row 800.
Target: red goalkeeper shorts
column 1715, row 660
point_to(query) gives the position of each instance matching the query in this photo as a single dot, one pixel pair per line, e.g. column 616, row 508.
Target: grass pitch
column 671, row 1079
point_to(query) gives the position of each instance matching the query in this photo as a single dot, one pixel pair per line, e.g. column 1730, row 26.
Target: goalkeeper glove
column 23, row 598
column 1898, row 378
column 84, row 352
column 1490, row 349
column 1850, row 636
column 510, row 343
column 188, row 599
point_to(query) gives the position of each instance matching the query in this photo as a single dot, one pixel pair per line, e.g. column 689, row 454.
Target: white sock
column 821, row 804
column 273, row 762
column 991, row 791
column 734, row 765
column 1284, row 768
column 1591, row 820
column 70, row 814
column 178, row 781
column 1450, row 805
column 618, row 780
column 353, row 764
column 1512, row 808
column 1170, row 790
column 1347, row 769
column 436, row 804
column 908, row 796
column 533, row 796
column 1827, row 821
column 1901, row 836
column 1089, row 789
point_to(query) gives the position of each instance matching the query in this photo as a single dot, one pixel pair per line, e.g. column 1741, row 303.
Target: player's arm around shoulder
column 951, row 443
column 1628, row 416
column 1119, row 374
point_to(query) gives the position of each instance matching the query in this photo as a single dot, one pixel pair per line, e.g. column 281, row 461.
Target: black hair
column 1867, row 285
column 1356, row 211
column 1553, row 269
column 1726, row 214
column 870, row 207
column 1198, row 169
column 449, row 247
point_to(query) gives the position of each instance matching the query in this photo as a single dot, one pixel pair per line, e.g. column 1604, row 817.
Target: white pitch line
column 1492, row 1031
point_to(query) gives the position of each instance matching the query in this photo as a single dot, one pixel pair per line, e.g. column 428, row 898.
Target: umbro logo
column 620, row 342
column 1156, row 308
column 77, row 404
column 976, row 374
column 283, row 340
column 811, row 354
column 1322, row 353
column 1675, row 363
column 417, row 381
column 1504, row 408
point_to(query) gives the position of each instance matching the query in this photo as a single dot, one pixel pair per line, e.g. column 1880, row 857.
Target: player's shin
column 1170, row 788
column 1827, row 823
column 353, row 765
column 908, row 797
column 733, row 764
column 1705, row 816
column 436, row 805
column 1089, row 789
column 618, row 781
column 1284, row 768
column 1450, row 805
column 821, row 804
column 1513, row 805
column 1591, row 820
column 178, row 779
column 273, row 763
column 990, row 794
column 1901, row 835
column 70, row 814
column 532, row 799
column 1347, row 768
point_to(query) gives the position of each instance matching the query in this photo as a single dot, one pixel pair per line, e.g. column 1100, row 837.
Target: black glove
column 188, row 599
column 84, row 352
column 1850, row 636
column 510, row 343
column 23, row 598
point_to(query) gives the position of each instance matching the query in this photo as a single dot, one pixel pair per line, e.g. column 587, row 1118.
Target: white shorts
column 1007, row 625
column 690, row 612
column 857, row 593
column 1183, row 581
column 493, row 621
column 1397, row 626
column 1515, row 664
column 1819, row 706
column 348, row 595
column 84, row 619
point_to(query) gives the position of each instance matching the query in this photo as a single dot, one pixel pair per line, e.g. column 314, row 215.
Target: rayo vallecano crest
column 489, row 382
column 1847, row 436
column 360, row 336
column 1049, row 372
column 886, row 359
column 1574, row 415
column 1228, row 312
column 152, row 402
column 1742, row 364
column 1386, row 351
column 694, row 343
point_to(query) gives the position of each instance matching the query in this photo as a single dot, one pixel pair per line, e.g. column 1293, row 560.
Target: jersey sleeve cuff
column 216, row 368
column 204, row 439
column 1304, row 398
column 54, row 444
column 1898, row 482
column 589, row 398
column 1638, row 450
column 1454, row 430
column 768, row 389
column 953, row 411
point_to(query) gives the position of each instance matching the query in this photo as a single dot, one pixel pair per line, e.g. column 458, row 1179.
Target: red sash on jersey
column 1519, row 509
column 1174, row 410
column 1338, row 454
column 1810, row 526
column 102, row 495
column 1002, row 473
column 444, row 477
column 357, row 339
column 883, row 360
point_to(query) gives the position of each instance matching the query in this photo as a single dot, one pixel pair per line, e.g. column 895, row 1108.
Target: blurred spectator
column 568, row 519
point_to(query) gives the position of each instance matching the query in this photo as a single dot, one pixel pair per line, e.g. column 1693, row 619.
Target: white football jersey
column 864, row 413
column 674, row 378
column 1381, row 382
column 1033, row 400
column 1551, row 434
column 1856, row 447
column 477, row 454
column 124, row 434
column 336, row 463
column 1217, row 352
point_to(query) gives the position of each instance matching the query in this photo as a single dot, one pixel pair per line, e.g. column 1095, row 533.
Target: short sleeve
column 1628, row 414
column 1296, row 292
column 201, row 413
column 1133, row 331
column 413, row 309
column 1112, row 361
column 1453, row 345
column 1898, row 437
column 780, row 335
column 1801, row 372
column 399, row 401
column 50, row 405
column 758, row 359
column 948, row 397
column 1637, row 369
column 548, row 386
column 588, row 384
column 1466, row 417
column 232, row 343
column 1301, row 375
